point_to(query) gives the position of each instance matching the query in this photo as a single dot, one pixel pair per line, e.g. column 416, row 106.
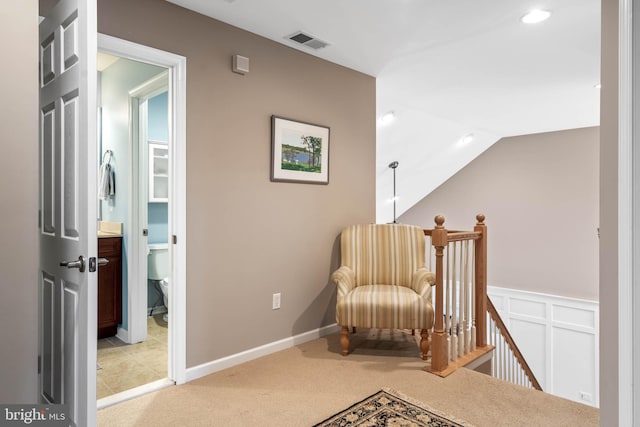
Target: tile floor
column 125, row 366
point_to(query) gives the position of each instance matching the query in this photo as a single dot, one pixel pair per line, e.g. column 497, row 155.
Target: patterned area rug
column 390, row 408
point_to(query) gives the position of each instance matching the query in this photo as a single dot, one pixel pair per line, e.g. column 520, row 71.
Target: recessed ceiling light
column 535, row 16
column 598, row 86
column 467, row 138
column 387, row 117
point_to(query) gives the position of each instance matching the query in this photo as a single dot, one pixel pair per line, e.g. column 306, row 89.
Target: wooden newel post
column 439, row 350
column 481, row 282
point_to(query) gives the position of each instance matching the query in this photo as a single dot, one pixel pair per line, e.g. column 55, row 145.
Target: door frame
column 138, row 210
column 626, row 233
column 177, row 66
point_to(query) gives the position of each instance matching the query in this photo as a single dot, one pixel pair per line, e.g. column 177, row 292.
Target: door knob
column 94, row 264
column 79, row 264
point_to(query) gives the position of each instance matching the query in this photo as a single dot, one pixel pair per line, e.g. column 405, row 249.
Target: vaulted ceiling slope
column 446, row 69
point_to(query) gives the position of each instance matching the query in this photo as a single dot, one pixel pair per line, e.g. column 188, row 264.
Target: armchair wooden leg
column 344, row 340
column 424, row 343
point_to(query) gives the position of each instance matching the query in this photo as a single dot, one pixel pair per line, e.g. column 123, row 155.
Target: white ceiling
column 447, row 68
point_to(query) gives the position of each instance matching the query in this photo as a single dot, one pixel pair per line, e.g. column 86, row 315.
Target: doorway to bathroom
column 142, row 136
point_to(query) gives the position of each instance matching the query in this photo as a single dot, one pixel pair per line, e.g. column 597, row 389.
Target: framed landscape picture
column 299, row 151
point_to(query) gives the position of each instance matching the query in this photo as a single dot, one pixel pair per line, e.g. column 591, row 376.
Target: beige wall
column 540, row 197
column 609, row 216
column 19, row 192
column 247, row 237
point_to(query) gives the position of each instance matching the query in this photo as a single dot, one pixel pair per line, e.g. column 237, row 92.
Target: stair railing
column 461, row 336
column 508, row 363
column 459, row 259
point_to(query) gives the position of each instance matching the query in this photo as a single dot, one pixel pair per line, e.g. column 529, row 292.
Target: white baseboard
column 114, row 399
column 254, row 353
column 123, row 335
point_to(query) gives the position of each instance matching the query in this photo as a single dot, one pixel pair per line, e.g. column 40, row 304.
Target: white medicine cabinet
column 158, row 172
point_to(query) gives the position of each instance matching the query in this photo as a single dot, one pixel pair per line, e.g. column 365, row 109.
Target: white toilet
column 158, row 268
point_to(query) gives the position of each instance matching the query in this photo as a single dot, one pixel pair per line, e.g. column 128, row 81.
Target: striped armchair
column 382, row 281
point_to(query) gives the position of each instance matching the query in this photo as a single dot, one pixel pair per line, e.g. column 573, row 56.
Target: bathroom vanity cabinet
column 109, row 286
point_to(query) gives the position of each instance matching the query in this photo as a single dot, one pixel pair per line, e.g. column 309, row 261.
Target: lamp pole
column 393, row 165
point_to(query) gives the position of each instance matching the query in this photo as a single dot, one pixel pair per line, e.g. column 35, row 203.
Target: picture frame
column 299, row 151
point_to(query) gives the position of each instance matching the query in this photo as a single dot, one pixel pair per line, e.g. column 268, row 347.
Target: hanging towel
column 107, row 186
column 107, row 180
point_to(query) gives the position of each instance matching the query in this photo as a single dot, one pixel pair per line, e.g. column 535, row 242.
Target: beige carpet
column 304, row 385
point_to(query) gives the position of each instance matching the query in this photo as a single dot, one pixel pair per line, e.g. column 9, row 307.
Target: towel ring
column 108, row 153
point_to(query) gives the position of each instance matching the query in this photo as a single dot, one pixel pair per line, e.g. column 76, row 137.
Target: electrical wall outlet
column 275, row 304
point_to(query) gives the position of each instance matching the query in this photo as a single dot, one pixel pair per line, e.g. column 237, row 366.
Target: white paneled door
column 68, row 244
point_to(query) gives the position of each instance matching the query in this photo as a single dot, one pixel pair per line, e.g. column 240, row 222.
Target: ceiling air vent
column 307, row 40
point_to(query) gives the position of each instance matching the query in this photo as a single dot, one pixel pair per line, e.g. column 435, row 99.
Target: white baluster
column 510, row 365
column 449, row 306
column 462, row 301
column 509, row 362
column 454, row 301
column 499, row 355
column 504, row 357
column 467, row 296
column 497, row 352
column 474, row 315
column 462, row 331
column 430, row 253
column 511, row 376
column 454, row 343
column 492, row 340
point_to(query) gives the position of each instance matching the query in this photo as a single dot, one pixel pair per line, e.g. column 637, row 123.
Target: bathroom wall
column 158, row 121
column 248, row 237
column 117, row 80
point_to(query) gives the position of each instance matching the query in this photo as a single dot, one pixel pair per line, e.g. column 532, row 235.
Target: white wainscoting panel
column 533, row 345
column 558, row 336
